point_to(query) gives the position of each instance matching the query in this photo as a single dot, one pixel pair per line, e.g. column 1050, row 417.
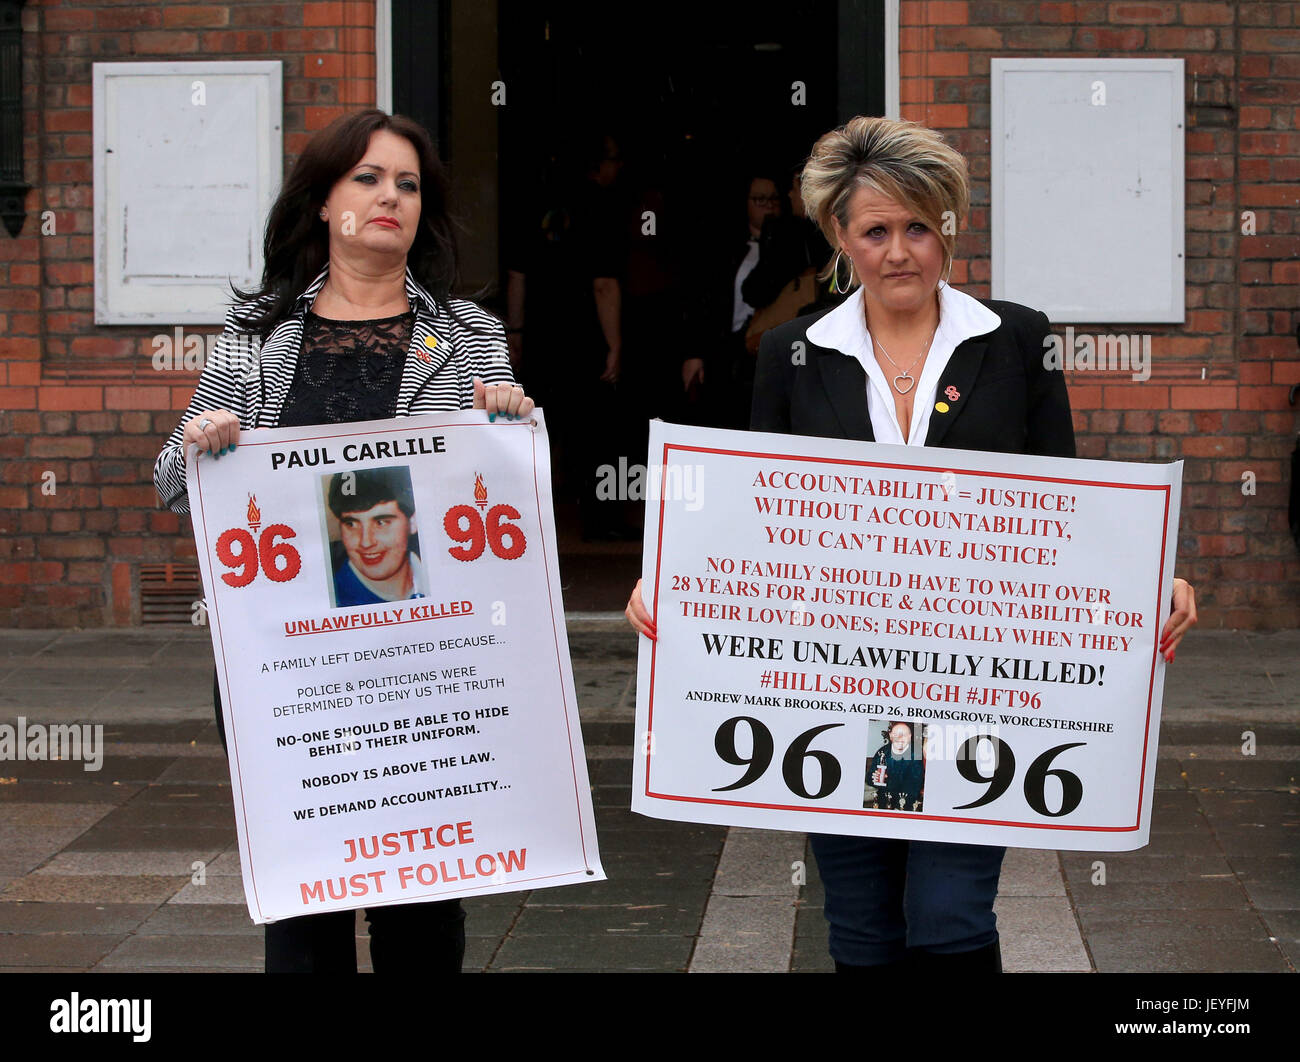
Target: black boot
column 985, row 960
column 879, row 968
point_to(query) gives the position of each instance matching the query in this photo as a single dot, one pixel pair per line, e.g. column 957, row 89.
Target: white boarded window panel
column 182, row 190
column 1087, row 199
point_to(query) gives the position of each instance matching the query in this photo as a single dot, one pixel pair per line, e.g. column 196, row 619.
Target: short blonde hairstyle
column 905, row 161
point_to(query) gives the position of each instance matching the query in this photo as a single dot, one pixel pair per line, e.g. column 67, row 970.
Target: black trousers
column 407, row 938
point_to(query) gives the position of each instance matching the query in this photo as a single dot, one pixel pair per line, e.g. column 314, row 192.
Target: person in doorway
column 566, row 262
column 784, row 284
column 719, row 369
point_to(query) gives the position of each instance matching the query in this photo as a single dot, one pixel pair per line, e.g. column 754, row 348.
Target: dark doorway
column 697, row 97
column 703, row 89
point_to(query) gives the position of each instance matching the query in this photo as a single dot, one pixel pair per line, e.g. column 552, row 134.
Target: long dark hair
column 297, row 241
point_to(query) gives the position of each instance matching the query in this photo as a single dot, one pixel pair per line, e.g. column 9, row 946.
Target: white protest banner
column 908, row 642
column 385, row 610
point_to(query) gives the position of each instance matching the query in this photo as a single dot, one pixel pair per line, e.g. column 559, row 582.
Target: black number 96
column 1004, row 770
column 758, row 761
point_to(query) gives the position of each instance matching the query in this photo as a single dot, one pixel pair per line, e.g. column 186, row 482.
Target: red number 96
column 464, row 525
column 279, row 560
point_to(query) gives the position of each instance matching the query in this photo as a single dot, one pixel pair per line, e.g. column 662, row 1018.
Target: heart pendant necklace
column 905, row 374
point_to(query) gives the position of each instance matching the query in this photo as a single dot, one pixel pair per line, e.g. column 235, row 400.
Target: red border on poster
column 250, row 441
column 1146, row 736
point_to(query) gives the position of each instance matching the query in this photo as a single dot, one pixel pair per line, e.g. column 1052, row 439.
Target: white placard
column 809, row 594
column 420, row 740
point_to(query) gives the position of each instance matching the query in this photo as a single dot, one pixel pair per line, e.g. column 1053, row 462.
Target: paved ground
column 97, row 869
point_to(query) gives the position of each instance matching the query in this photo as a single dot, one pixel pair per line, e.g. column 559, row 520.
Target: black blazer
column 1008, row 401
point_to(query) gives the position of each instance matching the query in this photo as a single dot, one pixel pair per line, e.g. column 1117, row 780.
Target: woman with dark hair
column 355, row 322
column 784, row 284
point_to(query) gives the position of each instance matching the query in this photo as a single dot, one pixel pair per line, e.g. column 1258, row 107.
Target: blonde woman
column 908, row 359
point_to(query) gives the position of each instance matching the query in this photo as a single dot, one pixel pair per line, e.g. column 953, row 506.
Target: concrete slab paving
column 87, row 888
column 1031, row 872
column 194, row 920
column 746, row 934
column 1271, row 882
column 56, row 815
column 118, row 864
column 1039, row 934
column 103, row 919
column 95, row 866
column 216, row 890
column 651, row 953
column 639, row 919
column 78, row 951
column 749, row 923
column 206, row 950
column 759, row 863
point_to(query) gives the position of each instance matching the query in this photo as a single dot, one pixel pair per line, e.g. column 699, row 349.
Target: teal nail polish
column 232, row 447
column 492, row 417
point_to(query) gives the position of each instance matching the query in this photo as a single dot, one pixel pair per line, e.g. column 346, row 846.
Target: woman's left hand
column 1183, row 616
column 505, row 399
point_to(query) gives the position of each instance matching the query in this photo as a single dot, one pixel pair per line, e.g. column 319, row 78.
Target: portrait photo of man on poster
column 896, row 772
column 372, row 537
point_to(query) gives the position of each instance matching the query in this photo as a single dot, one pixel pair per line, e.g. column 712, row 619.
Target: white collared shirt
column 741, row 311
column 845, row 329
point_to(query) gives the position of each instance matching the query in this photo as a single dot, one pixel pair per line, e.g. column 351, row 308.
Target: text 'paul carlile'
column 312, row 457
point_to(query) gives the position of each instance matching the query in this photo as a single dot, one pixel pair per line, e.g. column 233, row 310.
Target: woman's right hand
column 637, row 615
column 215, row 431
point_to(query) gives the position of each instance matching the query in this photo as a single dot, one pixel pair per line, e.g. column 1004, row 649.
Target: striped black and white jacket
column 443, row 359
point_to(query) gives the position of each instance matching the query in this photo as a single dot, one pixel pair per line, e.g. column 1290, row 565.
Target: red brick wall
column 1242, row 153
column 85, row 403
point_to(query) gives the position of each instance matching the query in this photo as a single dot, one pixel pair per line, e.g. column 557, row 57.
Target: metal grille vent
column 168, row 592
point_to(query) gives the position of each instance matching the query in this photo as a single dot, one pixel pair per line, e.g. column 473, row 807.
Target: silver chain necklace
column 904, row 374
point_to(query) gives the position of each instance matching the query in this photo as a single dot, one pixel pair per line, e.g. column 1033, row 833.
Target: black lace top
column 347, row 370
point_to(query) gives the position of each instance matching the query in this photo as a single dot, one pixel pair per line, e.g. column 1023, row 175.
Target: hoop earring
column 836, row 289
column 949, row 273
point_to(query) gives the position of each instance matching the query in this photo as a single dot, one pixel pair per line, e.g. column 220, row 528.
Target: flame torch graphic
column 480, row 491
column 254, row 513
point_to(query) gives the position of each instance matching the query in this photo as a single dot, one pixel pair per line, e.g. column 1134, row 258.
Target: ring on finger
column 204, row 423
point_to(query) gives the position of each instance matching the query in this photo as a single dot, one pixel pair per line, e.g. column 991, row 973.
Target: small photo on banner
column 896, row 770
column 368, row 517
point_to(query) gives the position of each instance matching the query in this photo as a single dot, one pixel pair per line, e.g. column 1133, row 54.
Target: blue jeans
column 884, row 896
